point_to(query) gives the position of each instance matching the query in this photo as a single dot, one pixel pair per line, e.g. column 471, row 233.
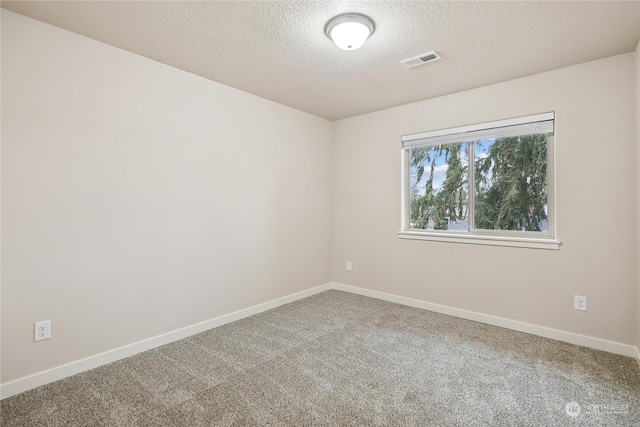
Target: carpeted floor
column 341, row 359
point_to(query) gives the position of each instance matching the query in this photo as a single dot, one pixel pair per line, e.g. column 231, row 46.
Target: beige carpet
column 342, row 359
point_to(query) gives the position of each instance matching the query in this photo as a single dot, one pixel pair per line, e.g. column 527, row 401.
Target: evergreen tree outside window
column 487, row 181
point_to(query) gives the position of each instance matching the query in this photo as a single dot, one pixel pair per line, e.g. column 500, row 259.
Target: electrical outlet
column 348, row 265
column 580, row 302
column 42, row 330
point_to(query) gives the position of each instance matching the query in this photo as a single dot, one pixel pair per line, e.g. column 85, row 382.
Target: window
column 490, row 183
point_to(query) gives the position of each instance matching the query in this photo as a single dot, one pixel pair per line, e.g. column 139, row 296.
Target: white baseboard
column 543, row 331
column 59, row 372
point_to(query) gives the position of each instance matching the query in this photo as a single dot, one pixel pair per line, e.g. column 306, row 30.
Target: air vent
column 421, row 59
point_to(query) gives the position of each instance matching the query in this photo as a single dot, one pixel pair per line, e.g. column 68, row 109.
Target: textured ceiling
column 278, row 50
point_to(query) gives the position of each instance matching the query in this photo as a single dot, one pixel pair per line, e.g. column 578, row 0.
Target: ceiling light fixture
column 349, row 31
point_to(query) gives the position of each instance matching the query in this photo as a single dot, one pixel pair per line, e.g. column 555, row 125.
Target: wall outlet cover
column 42, row 330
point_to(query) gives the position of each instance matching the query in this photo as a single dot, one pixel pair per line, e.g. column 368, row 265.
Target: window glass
column 511, row 183
column 439, row 187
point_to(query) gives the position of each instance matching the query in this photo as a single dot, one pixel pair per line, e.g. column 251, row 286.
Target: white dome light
column 349, row 31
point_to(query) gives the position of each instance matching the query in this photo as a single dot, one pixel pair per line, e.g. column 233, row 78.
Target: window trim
column 522, row 239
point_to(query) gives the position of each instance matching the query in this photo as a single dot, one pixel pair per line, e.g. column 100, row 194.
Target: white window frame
column 523, row 239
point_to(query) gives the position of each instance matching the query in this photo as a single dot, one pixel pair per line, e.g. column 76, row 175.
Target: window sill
column 474, row 239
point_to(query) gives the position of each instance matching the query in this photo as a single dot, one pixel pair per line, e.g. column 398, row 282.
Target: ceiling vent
column 421, row 59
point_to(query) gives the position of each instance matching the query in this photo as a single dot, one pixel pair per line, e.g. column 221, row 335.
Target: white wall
column 138, row 199
column 637, row 92
column 596, row 214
